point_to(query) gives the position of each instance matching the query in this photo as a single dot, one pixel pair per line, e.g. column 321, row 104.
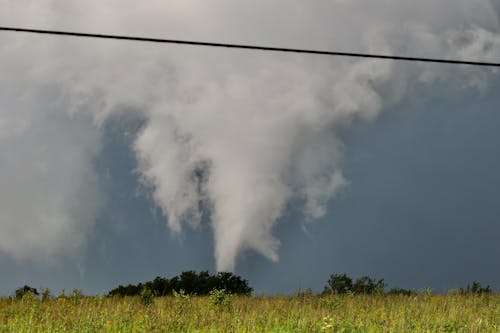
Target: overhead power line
column 249, row 47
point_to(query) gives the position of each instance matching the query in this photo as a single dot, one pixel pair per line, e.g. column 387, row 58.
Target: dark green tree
column 190, row 282
column 367, row 285
column 232, row 284
column 339, row 284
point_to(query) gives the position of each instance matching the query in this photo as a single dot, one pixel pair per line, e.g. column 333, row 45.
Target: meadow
column 224, row 313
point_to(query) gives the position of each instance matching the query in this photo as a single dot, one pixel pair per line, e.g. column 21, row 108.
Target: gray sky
column 307, row 166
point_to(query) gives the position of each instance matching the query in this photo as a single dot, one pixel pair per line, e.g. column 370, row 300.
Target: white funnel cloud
column 238, row 132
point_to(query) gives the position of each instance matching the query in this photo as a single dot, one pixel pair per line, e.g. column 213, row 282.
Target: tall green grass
column 305, row 313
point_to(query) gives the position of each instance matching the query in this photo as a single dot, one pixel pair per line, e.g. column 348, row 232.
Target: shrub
column 342, row 284
column 476, row 288
column 147, row 296
column 220, row 298
column 26, row 291
column 401, row 291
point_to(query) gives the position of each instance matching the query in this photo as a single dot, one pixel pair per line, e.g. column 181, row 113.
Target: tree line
column 343, row 284
column 203, row 283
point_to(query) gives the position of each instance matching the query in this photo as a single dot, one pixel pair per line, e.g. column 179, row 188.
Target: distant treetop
column 190, row 282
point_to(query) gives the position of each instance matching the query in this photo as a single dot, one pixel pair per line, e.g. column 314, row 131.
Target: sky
column 123, row 161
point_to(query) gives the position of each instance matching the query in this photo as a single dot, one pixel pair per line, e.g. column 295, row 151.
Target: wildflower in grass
column 327, row 323
column 181, row 295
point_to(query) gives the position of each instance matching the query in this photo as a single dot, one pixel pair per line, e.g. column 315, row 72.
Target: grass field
column 306, row 313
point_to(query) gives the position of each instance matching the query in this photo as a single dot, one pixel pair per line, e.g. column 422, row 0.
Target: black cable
column 249, row 47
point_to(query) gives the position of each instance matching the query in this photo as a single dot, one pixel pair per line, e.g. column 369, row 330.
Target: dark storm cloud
column 267, row 127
